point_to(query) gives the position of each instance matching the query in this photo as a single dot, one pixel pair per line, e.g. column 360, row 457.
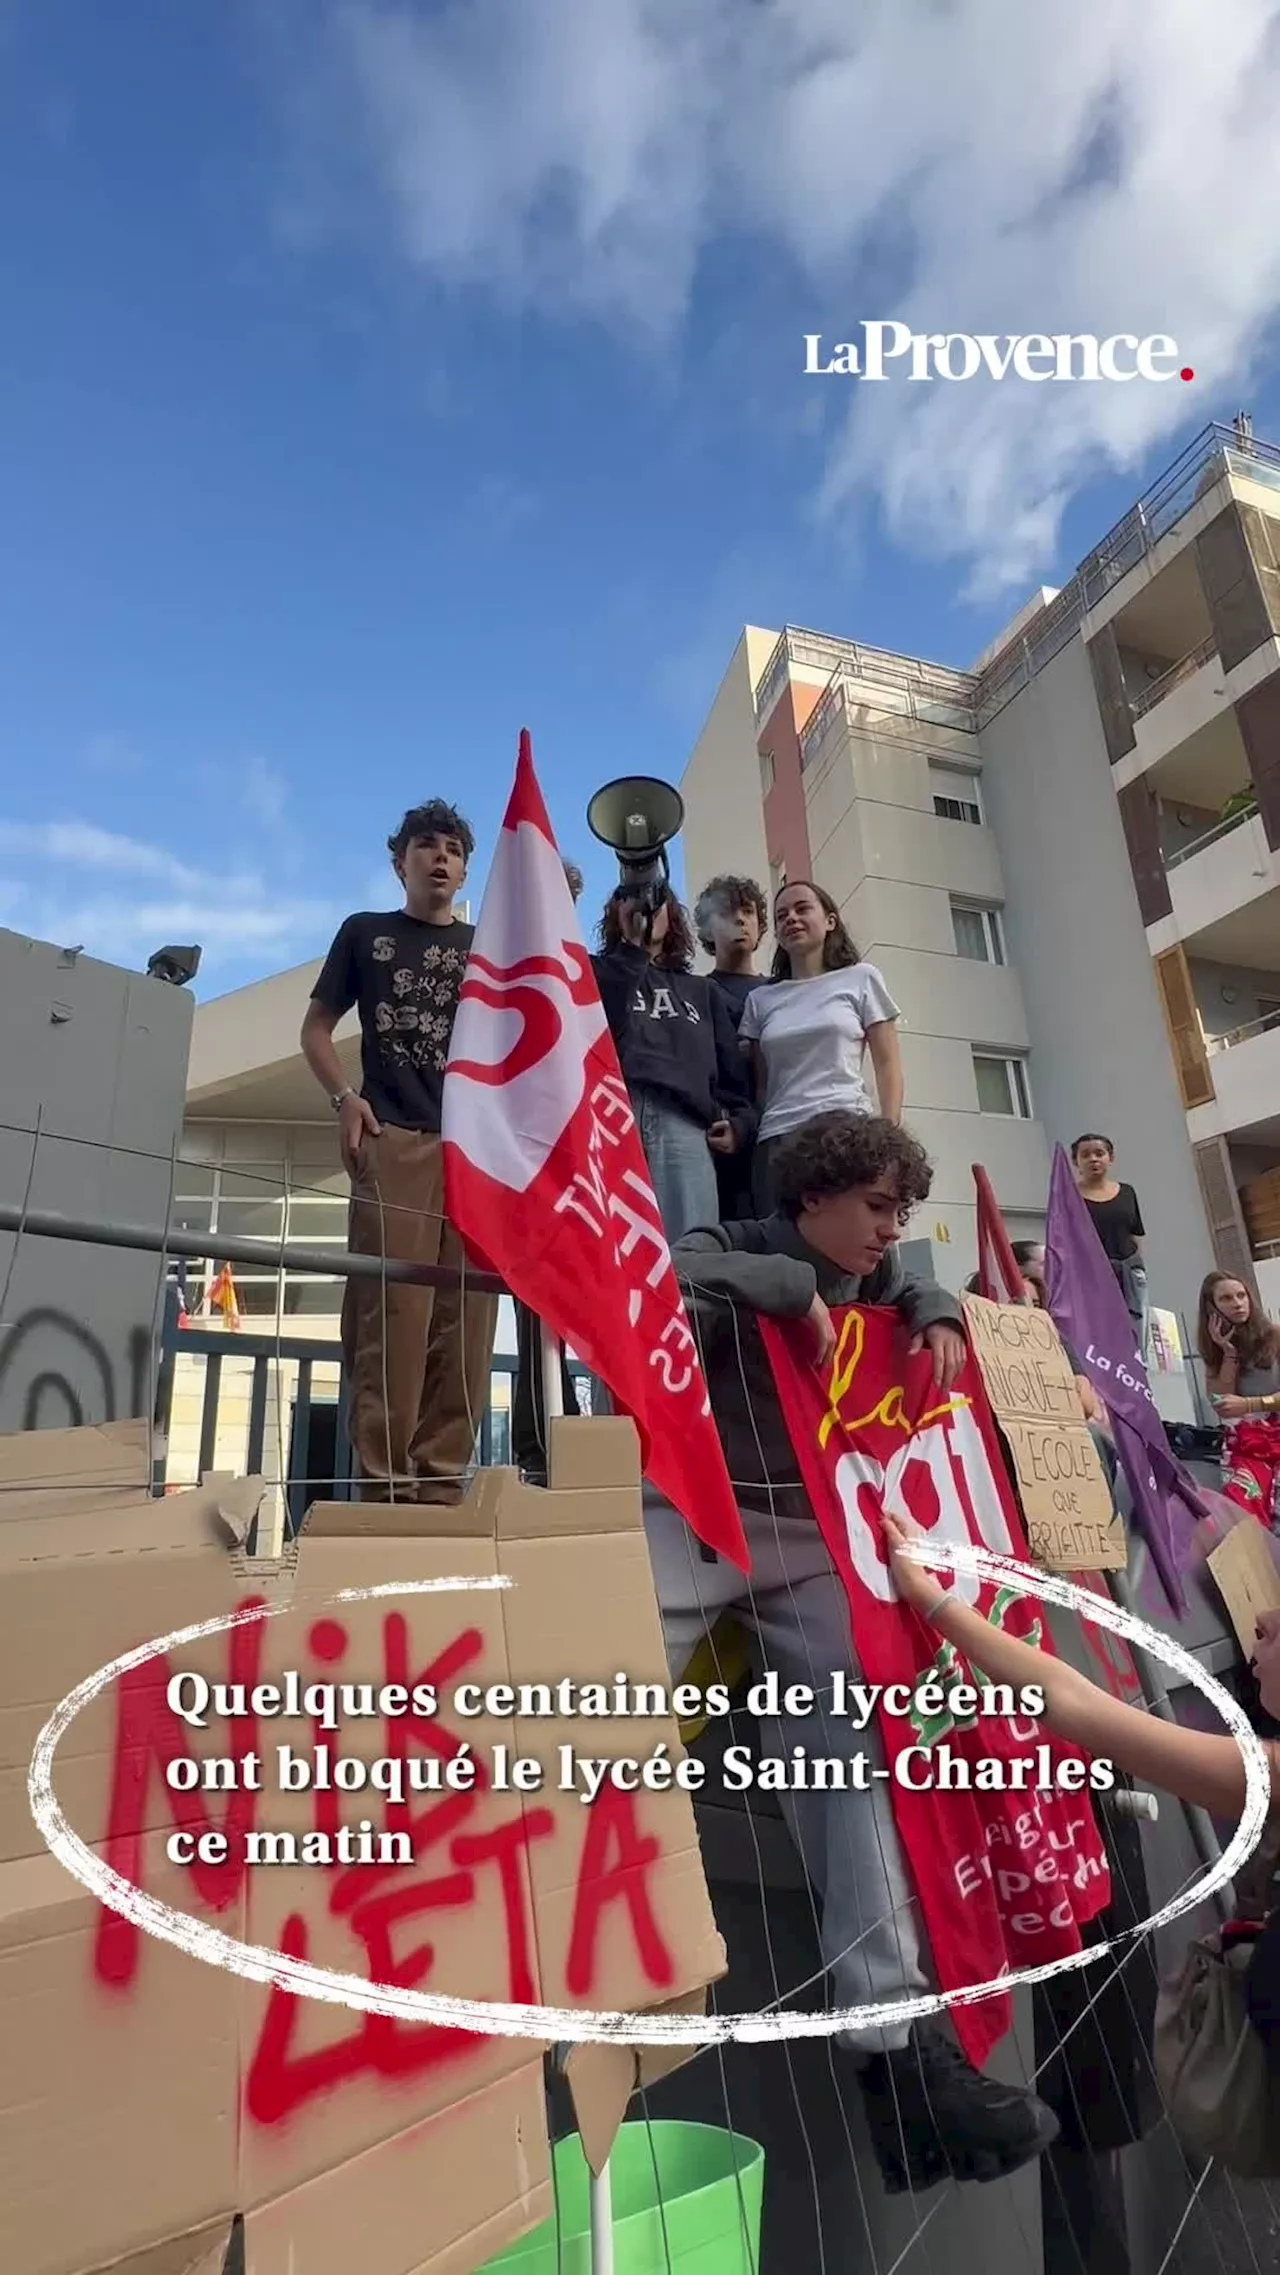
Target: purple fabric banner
column 1089, row 1311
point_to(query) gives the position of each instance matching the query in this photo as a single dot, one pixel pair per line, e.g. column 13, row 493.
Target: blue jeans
column 872, row 1935
column 683, row 1170
column 681, row 1163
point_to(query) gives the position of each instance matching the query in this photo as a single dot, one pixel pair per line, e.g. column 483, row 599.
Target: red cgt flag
column 1000, row 1277
column 545, row 1174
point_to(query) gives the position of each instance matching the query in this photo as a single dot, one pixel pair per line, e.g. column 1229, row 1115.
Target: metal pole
column 601, row 2223
column 552, row 1385
column 230, row 1248
column 1199, row 1822
column 600, row 2184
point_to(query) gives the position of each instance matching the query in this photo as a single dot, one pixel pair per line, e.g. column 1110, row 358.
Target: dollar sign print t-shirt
column 403, row 975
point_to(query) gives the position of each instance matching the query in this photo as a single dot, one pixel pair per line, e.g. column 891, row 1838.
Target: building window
column 766, row 771
column 978, row 931
column 956, row 797
column 777, row 878
column 1002, row 1084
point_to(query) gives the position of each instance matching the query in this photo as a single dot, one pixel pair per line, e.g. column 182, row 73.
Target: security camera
column 176, row 965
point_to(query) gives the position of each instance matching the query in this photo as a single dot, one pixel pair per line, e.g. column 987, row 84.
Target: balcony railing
column 1220, row 829
column 931, row 690
column 916, row 702
column 1186, row 668
column 1215, row 453
column 1216, row 1043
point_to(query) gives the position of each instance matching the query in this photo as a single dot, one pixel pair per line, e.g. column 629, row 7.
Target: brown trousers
column 418, row 1359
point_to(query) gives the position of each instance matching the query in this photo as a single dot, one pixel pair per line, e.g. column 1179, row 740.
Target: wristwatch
column 339, row 1098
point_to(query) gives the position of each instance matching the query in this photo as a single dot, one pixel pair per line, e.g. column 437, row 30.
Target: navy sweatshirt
column 674, row 1035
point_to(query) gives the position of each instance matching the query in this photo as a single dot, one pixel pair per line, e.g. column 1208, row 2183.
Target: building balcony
column 1242, row 1060
column 1173, row 676
column 880, row 678
column 1187, row 740
column 1224, row 883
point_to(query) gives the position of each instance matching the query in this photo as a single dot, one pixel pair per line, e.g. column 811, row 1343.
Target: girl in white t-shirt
column 808, row 1030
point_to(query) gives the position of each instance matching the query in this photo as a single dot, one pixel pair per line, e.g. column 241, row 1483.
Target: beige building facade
column 1066, row 862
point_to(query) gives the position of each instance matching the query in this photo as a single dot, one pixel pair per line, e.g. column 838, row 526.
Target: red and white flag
column 546, row 1177
column 1000, row 1277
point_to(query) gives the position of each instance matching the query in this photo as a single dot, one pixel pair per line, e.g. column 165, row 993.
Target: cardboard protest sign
column 1248, row 1578
column 179, row 2094
column 1072, row 1525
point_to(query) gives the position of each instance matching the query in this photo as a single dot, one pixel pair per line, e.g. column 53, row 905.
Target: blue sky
column 380, row 379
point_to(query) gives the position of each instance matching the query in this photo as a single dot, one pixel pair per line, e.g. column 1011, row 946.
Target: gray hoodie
column 730, row 1272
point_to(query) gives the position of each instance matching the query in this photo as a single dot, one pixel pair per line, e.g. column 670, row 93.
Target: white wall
column 1100, row 1055
column 724, row 805
column 1252, row 992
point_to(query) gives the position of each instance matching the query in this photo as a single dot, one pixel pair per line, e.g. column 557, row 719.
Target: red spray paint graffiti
column 377, row 1901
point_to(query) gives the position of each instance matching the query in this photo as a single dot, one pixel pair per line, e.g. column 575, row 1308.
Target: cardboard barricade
column 149, row 2097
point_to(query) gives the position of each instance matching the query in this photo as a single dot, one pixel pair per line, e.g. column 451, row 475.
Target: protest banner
column 546, row 1175
column 1248, row 1577
column 1005, row 1874
column 1071, row 1520
column 1089, row 1309
column 148, row 2097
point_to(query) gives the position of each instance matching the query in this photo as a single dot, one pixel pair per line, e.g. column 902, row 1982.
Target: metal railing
column 302, row 1475
column 1185, row 668
column 929, row 688
column 1220, row 829
column 851, row 689
column 1252, row 1027
column 1215, row 454
column 216, row 1346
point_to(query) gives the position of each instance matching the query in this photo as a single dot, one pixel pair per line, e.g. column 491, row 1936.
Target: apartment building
column 1065, row 861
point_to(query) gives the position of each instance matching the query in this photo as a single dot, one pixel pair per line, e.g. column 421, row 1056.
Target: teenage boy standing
column 418, row 1359
column 730, row 919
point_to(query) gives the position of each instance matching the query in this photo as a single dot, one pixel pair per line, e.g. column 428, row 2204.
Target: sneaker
column 933, row 2117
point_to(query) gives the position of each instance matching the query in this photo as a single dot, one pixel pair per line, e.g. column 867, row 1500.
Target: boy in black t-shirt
column 730, row 919
column 418, row 1359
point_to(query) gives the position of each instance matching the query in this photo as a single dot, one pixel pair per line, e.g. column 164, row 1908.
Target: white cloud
column 77, row 846
column 1096, row 165
column 120, row 899
column 265, row 793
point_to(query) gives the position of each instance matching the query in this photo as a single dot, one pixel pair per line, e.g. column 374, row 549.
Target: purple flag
column 1090, row 1312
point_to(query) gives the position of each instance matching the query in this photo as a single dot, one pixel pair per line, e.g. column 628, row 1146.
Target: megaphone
column 636, row 817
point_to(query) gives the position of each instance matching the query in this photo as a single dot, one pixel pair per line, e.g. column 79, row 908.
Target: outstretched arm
column 1206, row 1771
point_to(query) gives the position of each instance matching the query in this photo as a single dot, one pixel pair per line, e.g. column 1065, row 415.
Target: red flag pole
column 1000, row 1277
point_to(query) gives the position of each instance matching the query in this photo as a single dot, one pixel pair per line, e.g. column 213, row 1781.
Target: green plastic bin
column 709, row 2184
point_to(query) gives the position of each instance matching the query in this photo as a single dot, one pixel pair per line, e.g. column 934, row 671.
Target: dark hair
column 572, row 877
column 729, row 894
column 675, row 950
column 434, row 819
column 838, row 950
column 837, row 1151
column 1024, row 1250
column 1257, row 1338
column 1091, row 1137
